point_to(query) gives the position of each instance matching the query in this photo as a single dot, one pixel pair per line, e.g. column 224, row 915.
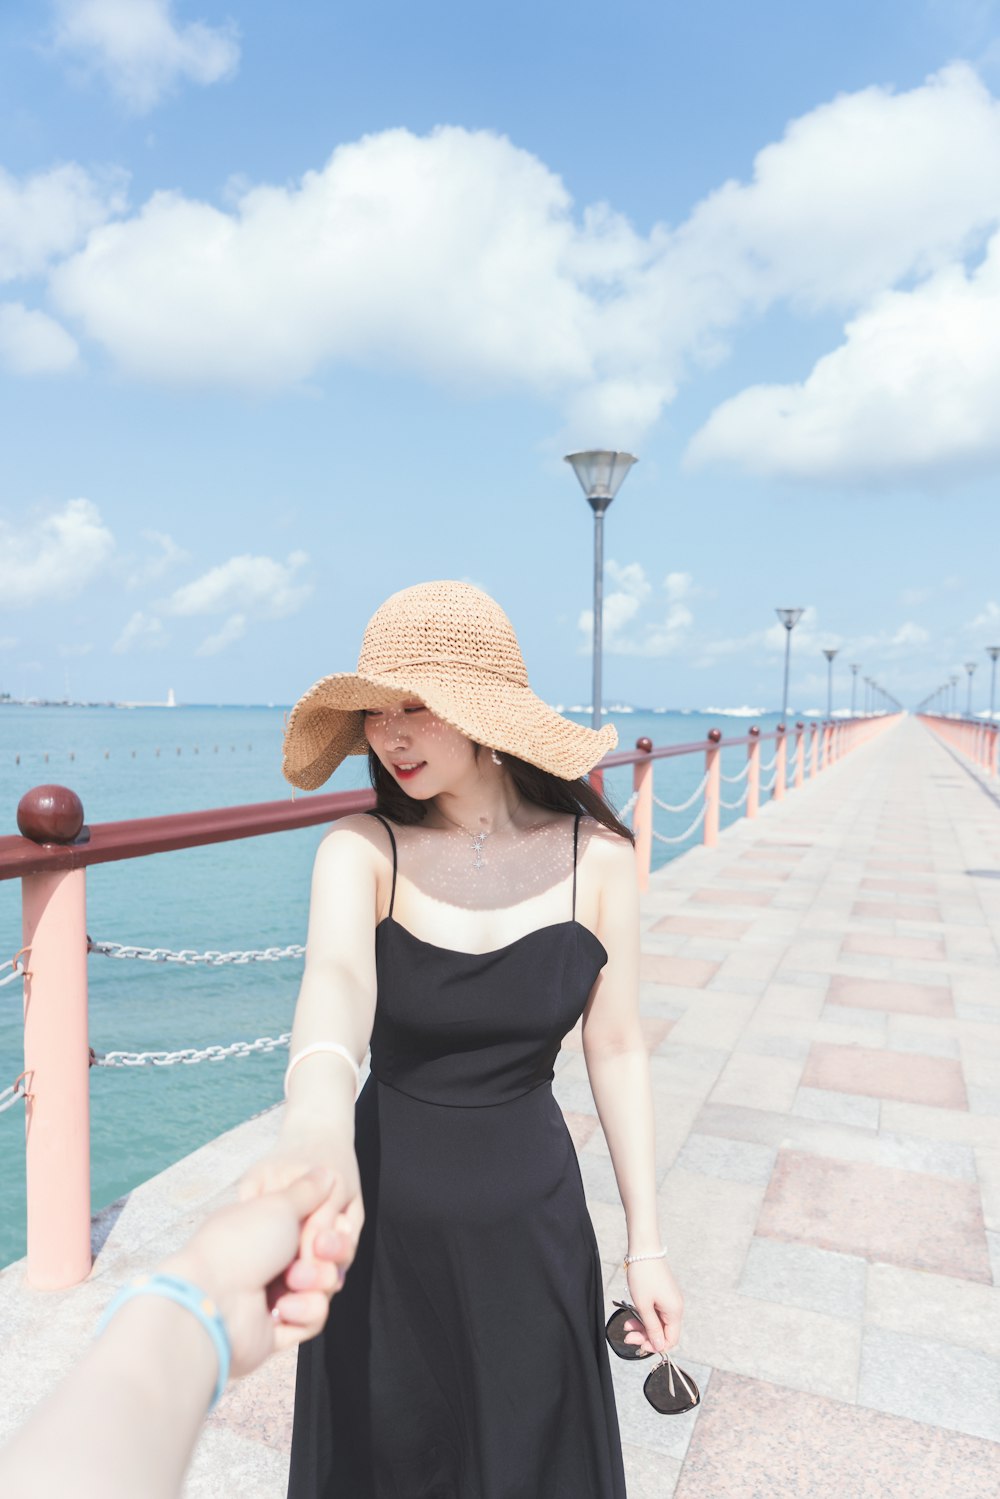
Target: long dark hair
column 538, row 786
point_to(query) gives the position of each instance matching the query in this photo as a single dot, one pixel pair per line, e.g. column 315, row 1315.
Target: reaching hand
column 329, row 1233
column 244, row 1257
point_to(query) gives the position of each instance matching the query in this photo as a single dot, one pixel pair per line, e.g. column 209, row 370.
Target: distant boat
column 171, row 702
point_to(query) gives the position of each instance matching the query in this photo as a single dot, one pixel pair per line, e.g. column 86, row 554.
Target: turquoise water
column 248, row 894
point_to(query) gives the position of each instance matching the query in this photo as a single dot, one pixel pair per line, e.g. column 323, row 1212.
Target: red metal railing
column 978, row 740
column 55, row 848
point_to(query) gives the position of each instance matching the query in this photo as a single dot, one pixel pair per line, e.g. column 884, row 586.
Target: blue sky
column 300, row 305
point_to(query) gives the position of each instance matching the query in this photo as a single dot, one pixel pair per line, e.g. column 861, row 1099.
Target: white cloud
column 913, row 389
column 258, row 586
column 140, row 49
column 76, row 648
column 168, row 555
column 32, row 343
column 53, row 556
column 234, row 629
column 910, row 634
column 7, row 642
column 462, row 257
column 651, row 637
column 987, row 618
column 50, row 214
column 143, row 630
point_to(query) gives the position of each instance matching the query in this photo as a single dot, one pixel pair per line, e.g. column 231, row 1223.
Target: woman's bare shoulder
column 353, row 839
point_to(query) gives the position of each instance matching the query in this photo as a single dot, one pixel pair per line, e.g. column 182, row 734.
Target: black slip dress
column 465, row 1356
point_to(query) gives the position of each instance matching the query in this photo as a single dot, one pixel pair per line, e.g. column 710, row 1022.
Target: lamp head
column 600, row 474
column 789, row 617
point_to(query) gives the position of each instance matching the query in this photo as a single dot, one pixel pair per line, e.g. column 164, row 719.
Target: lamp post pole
column 829, row 653
column 600, row 474
column 970, row 667
column 993, row 651
column 789, row 618
column 855, row 668
column 953, row 679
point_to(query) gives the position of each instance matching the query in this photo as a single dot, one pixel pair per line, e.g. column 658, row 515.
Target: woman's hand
column 241, row 1257
column 656, row 1297
column 329, row 1234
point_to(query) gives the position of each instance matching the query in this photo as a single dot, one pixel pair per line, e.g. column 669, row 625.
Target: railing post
column 780, row 765
column 800, row 755
column 56, row 1049
column 994, row 751
column 753, row 773
column 813, row 750
column 642, row 817
column 596, row 779
column 713, row 787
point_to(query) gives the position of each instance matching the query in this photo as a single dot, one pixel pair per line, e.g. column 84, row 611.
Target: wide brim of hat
column 326, row 723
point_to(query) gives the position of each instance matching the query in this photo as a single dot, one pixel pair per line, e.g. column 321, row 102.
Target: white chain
column 731, row 806
column 189, row 1054
column 9, row 1096
column 683, row 806
column 767, row 785
column 18, row 972
column 189, row 956
column 696, row 824
column 769, row 766
column 629, row 806
column 734, row 780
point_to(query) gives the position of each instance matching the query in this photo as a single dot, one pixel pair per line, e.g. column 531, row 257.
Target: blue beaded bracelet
column 186, row 1294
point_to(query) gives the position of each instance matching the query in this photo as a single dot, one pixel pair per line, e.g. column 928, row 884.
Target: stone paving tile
column 941, row 1124
column 712, row 896
column 729, row 1160
column 754, row 1440
column 886, row 1074
column 900, row 886
column 872, row 944
column 984, row 1100
column 650, row 1474
column 904, row 1217
column 895, row 911
column 936, row 1043
column 789, row 1345
column 943, row 1308
column 890, row 994
column 692, row 973
column 702, row 926
column 819, row 1280
column 758, row 1082
column 580, row 1126
column 836, row 1108
column 755, row 872
column 903, row 866
column 931, row 1382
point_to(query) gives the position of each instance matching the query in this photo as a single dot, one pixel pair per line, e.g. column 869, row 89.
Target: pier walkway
column 821, row 1001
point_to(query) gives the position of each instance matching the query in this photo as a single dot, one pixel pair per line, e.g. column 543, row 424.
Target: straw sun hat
column 453, row 647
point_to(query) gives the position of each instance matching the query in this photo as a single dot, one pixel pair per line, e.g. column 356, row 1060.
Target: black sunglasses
column 667, row 1388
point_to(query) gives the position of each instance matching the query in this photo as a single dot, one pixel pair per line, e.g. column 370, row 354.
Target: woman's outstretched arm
column 618, row 1066
column 336, row 1004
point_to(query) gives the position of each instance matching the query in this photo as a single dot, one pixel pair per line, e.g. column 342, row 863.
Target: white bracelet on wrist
column 333, row 1047
column 630, row 1259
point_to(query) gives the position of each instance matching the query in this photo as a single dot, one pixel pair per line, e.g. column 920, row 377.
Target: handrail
column 106, row 842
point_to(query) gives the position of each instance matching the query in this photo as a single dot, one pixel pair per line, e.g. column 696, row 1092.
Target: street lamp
column 789, row 618
column 855, row 668
column 970, row 667
column 829, row 652
column 993, row 651
column 600, row 475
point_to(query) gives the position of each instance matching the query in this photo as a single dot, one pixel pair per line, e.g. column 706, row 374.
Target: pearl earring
column 496, row 758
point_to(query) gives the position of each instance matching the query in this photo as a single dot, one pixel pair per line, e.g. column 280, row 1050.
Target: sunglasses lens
column 685, row 1394
column 615, row 1332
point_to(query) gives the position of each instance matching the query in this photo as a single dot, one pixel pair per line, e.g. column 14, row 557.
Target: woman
column 463, row 930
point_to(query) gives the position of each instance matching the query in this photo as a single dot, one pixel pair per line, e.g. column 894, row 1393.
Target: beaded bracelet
column 188, row 1295
column 630, row 1259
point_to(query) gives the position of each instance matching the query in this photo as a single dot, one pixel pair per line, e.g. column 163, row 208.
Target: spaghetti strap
column 392, row 840
column 576, row 835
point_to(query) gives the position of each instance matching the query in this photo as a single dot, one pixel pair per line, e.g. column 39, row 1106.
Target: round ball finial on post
column 715, row 735
column 50, row 814
column 644, row 744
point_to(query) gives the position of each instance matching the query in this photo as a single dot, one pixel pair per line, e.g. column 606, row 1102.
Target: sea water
column 248, row 894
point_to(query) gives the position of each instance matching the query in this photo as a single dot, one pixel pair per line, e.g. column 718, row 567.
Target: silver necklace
column 478, row 839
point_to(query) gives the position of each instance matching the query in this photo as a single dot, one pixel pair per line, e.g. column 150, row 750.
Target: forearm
column 622, row 1088
column 120, row 1425
column 322, row 1086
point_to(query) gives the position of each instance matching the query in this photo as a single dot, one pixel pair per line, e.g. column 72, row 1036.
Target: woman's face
column 424, row 754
